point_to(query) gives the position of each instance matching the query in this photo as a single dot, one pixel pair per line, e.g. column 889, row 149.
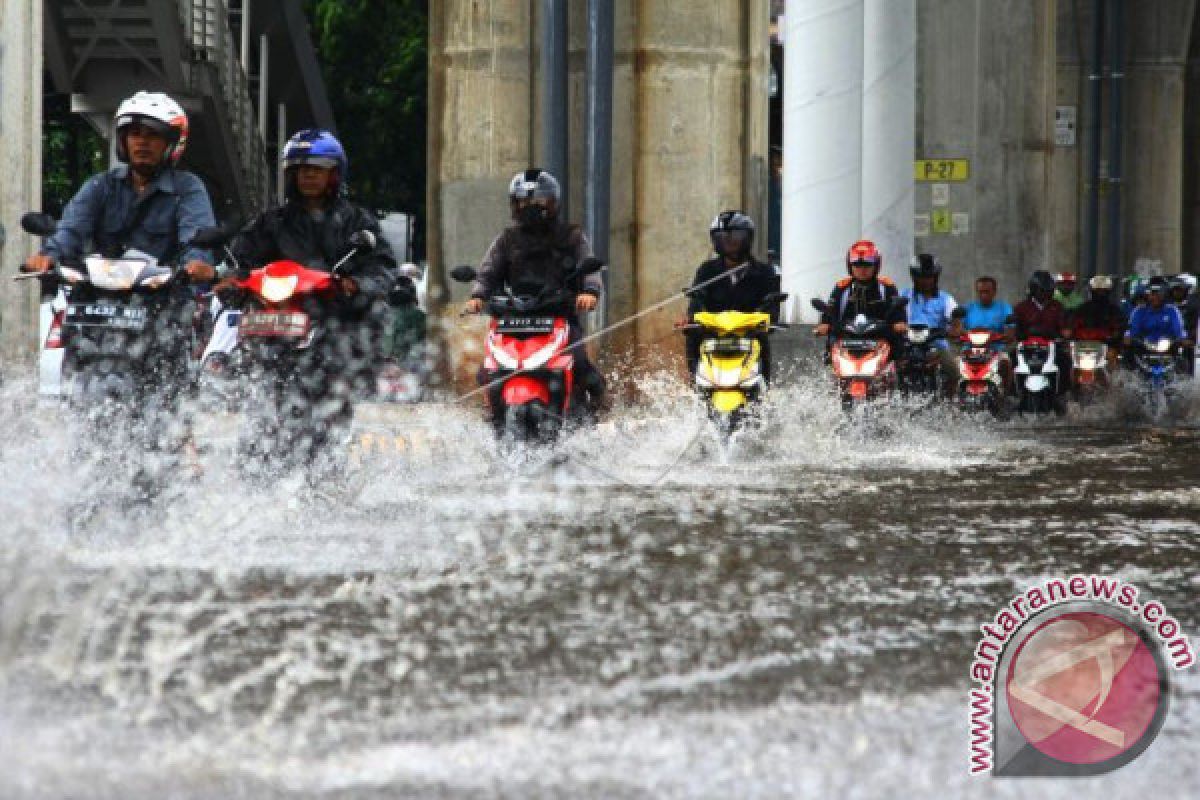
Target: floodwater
column 638, row 614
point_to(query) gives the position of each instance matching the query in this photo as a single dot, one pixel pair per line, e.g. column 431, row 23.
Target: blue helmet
column 317, row 147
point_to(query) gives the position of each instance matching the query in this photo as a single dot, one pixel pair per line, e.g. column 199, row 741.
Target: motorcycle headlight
column 1161, row 346
column 276, row 290
column 918, row 335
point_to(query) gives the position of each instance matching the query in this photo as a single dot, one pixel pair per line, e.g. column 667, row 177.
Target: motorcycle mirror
column 773, row 299
column 38, row 224
column 590, row 265
column 959, row 313
column 362, row 240
column 819, row 304
column 463, row 274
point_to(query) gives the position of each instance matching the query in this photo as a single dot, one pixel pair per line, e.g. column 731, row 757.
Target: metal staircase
column 100, row 51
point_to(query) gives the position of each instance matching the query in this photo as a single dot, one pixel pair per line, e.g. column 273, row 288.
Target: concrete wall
column 689, row 139
column 1155, row 223
column 20, row 179
column 985, row 92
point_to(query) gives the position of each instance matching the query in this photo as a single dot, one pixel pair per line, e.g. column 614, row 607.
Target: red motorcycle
column 528, row 370
column 864, row 365
column 980, row 377
column 291, row 358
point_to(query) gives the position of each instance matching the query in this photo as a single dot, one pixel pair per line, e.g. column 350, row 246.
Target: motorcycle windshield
column 115, row 274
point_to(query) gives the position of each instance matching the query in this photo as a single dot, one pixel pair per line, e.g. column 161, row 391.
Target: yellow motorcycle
column 729, row 371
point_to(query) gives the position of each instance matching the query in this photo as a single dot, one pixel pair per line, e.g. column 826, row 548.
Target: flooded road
column 641, row 615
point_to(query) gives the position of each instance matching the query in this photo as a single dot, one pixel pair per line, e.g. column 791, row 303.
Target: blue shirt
column 992, row 318
column 177, row 207
column 1165, row 323
column 933, row 312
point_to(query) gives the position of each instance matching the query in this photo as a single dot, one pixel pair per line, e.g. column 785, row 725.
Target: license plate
column 274, row 323
column 859, row 344
column 525, row 324
column 105, row 315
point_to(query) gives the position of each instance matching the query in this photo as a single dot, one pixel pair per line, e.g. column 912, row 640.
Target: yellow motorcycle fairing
column 728, row 362
column 733, row 323
column 727, row 401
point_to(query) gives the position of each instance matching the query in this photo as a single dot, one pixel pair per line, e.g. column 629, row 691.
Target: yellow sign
column 942, row 221
column 942, row 169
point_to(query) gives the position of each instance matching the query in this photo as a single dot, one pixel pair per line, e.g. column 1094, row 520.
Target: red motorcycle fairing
column 517, row 353
column 278, row 287
column 522, row 389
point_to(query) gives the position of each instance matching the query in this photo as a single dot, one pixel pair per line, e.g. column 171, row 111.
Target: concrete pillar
column 1159, row 38
column 695, row 74
column 481, row 82
column 985, row 92
column 888, row 123
column 822, row 146
column 21, row 177
column 689, row 139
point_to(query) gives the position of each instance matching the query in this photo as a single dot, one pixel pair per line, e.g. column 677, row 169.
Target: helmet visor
column 149, row 123
column 312, row 161
column 731, row 240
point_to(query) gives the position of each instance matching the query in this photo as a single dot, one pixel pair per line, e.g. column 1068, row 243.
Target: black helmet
column 925, row 265
column 732, row 234
column 1041, row 281
column 541, row 190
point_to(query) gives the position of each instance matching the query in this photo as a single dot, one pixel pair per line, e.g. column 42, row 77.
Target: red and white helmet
column 158, row 111
column 863, row 251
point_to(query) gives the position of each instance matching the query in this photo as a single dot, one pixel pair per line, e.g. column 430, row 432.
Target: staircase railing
column 206, row 26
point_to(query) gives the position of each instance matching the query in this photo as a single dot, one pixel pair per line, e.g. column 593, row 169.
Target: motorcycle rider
column 745, row 284
column 146, row 202
column 930, row 306
column 539, row 249
column 1098, row 312
column 864, row 292
column 988, row 313
column 313, row 227
column 1183, row 294
column 1065, row 292
column 1040, row 315
column 1158, row 319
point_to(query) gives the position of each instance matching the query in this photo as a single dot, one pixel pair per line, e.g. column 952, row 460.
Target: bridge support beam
column 21, row 177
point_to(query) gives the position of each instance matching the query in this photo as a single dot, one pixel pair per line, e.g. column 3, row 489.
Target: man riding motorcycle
column 314, row 227
column 1065, row 292
column 934, row 308
column 990, row 314
column 1158, row 319
column 1099, row 312
column 1182, row 292
column 1040, row 315
column 148, row 204
column 744, row 287
column 540, row 249
column 145, row 203
column 864, row 292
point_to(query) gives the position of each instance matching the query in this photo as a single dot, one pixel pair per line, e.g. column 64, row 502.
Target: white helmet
column 158, row 111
